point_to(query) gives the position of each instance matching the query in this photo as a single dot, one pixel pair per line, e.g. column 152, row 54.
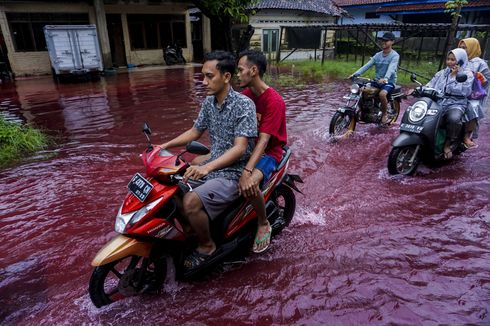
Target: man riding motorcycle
column 386, row 63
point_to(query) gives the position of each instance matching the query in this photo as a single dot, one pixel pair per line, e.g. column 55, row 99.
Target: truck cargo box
column 73, row 49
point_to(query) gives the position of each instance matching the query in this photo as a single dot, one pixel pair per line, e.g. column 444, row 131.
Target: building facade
column 130, row 32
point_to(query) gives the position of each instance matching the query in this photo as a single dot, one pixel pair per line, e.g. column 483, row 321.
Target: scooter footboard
column 120, row 247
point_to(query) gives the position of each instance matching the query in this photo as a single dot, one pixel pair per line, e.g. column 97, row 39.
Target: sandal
column 471, row 145
column 262, row 244
column 196, row 259
column 448, row 155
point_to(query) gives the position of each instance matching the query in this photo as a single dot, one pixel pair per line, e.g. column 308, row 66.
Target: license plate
column 139, row 187
column 411, row 128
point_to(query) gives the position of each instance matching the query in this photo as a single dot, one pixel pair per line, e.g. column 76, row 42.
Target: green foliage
column 237, row 10
column 453, row 7
column 304, row 72
column 17, row 141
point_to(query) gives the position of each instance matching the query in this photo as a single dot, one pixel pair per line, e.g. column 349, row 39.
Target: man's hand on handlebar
column 195, row 172
column 382, row 81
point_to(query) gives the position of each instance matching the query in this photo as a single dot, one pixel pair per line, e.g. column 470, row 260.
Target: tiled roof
column 346, row 3
column 327, row 7
column 431, row 6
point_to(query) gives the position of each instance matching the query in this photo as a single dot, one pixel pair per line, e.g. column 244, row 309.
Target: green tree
column 223, row 14
column 453, row 7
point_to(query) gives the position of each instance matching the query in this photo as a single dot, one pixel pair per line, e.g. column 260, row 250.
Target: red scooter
column 151, row 235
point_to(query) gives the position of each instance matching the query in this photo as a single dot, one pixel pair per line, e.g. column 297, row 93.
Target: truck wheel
column 399, row 160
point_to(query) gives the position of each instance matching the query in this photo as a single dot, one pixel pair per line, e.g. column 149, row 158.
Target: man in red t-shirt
column 271, row 121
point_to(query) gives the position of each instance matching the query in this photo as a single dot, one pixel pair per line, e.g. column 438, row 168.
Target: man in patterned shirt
column 230, row 120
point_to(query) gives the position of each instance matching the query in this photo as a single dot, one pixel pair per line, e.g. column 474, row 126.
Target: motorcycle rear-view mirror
column 146, row 129
column 461, row 77
column 195, row 147
column 413, row 77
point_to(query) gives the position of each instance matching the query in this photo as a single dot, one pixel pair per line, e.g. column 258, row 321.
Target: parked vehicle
column 363, row 105
column 422, row 132
column 173, row 55
column 74, row 51
column 151, row 234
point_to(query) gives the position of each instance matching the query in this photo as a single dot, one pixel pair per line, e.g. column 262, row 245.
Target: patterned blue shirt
column 235, row 118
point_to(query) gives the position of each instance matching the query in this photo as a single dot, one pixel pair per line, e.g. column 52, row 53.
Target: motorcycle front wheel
column 342, row 125
column 285, row 203
column 400, row 160
column 393, row 111
column 128, row 276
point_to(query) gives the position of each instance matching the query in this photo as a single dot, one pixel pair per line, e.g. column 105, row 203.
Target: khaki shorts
column 215, row 194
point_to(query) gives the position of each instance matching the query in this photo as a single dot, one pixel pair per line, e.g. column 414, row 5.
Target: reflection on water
column 364, row 247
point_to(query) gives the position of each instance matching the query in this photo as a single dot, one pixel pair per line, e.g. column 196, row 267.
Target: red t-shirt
column 271, row 119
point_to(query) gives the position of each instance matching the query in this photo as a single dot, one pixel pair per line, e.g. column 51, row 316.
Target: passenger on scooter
column 231, row 122
column 271, row 120
column 474, row 111
column 386, row 64
column 455, row 95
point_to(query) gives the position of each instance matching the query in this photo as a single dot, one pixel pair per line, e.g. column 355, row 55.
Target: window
column 371, row 15
column 156, row 31
column 270, row 40
column 27, row 28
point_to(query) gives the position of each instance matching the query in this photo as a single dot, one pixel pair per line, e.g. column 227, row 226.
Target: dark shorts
column 388, row 87
column 215, row 194
column 266, row 165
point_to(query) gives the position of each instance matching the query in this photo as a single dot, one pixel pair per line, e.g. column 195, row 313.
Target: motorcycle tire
column 342, row 125
column 110, row 282
column 285, row 201
column 399, row 160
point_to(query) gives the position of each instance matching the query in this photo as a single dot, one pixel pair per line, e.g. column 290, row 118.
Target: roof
column 326, row 7
column 347, row 3
column 436, row 7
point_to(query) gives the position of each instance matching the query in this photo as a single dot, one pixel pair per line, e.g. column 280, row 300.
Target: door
column 270, row 40
column 116, row 39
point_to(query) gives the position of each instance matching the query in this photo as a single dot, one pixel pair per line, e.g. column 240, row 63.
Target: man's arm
column 182, row 139
column 364, row 68
column 229, row 157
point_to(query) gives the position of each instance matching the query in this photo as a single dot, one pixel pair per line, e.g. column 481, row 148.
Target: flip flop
column 470, row 146
column 196, row 259
column 266, row 240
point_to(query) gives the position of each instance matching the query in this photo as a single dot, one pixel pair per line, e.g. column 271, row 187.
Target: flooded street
column 363, row 248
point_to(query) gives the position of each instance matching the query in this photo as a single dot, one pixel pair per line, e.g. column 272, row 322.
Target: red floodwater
column 363, row 248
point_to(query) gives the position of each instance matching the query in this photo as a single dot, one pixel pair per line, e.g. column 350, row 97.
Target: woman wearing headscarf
column 455, row 93
column 475, row 107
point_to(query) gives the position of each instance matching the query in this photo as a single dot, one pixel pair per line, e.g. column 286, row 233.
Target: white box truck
column 73, row 50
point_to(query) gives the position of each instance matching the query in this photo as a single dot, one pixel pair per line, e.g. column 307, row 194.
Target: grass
column 302, row 72
column 18, row 141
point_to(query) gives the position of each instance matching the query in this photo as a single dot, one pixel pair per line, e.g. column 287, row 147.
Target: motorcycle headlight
column 143, row 211
column 354, row 89
column 121, row 221
column 417, row 111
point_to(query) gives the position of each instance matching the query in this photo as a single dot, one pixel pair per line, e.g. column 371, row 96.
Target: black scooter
column 422, row 132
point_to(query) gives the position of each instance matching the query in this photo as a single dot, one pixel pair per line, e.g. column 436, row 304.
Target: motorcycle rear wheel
column 342, row 125
column 116, row 280
column 399, row 160
column 285, row 201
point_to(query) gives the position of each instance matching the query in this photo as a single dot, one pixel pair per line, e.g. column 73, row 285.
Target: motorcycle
column 151, row 235
column 363, row 105
column 173, row 55
column 422, row 132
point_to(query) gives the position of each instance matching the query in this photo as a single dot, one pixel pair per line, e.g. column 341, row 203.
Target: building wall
column 275, row 18
column 37, row 62
column 33, row 62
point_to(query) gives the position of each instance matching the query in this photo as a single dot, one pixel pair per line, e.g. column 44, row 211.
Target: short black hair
column 226, row 61
column 257, row 58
